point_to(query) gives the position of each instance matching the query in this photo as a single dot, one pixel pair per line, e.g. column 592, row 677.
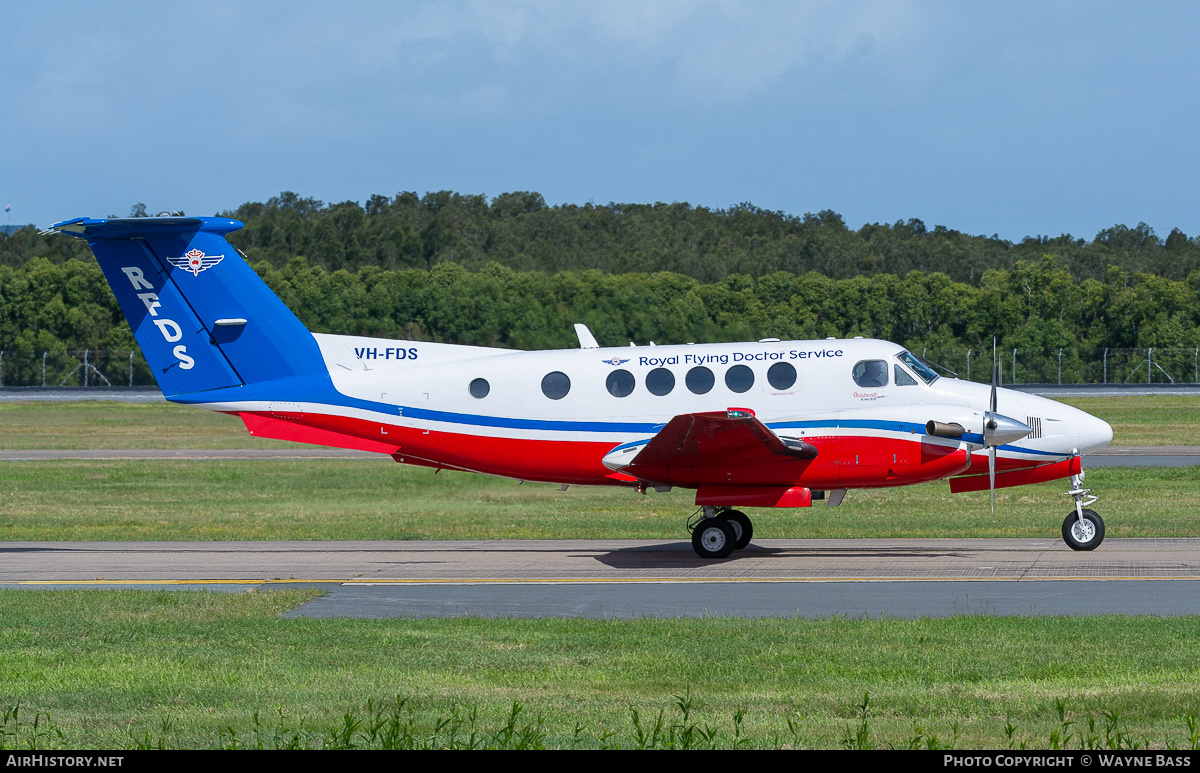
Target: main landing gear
column 720, row 531
column 1082, row 529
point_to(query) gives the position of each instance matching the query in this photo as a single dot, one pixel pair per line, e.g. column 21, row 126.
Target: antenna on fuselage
column 586, row 339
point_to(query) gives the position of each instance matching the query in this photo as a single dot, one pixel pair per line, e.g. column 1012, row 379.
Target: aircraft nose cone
column 1094, row 434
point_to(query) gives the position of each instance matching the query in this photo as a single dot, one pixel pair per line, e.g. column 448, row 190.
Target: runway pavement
column 641, row 578
column 117, row 394
column 809, row 578
column 1144, row 456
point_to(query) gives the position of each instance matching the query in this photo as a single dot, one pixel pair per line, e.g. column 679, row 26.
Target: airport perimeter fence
column 99, row 367
column 1067, row 365
column 83, row 368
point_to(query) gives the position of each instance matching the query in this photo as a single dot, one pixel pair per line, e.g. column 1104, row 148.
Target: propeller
column 997, row 429
column 989, row 428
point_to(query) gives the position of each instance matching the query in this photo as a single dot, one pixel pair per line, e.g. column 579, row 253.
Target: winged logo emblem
column 195, row 261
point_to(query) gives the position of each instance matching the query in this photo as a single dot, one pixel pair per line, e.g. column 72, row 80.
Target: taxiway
column 646, row 578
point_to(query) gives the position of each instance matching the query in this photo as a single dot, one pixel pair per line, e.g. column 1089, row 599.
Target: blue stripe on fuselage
column 319, row 390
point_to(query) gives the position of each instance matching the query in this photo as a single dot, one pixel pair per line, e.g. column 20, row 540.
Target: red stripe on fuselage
column 551, row 461
column 850, row 461
column 274, row 426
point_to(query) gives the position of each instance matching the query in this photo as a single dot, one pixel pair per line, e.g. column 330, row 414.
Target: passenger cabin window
column 556, row 385
column 870, row 373
column 660, row 381
column 480, row 388
column 781, row 375
column 620, row 383
column 739, row 378
column 902, row 378
column 700, row 380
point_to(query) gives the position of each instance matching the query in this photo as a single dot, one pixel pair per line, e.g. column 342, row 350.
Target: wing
column 724, row 447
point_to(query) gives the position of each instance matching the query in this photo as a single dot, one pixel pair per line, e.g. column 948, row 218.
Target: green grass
column 111, row 666
column 118, row 669
column 104, row 424
column 1146, row 420
column 379, row 499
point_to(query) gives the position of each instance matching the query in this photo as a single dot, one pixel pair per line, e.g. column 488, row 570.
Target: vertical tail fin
column 202, row 317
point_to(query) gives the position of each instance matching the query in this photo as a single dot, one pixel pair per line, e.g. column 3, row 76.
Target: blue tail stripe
column 175, row 278
column 273, row 344
column 172, row 339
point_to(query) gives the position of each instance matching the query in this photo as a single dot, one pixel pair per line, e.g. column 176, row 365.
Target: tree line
column 520, row 231
column 1034, row 305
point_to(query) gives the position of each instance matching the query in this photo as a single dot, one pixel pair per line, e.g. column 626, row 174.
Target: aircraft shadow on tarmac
column 680, row 554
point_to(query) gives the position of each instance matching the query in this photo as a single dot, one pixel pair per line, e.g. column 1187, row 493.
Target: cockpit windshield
column 921, row 369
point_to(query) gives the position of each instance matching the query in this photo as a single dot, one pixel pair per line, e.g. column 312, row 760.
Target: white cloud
column 714, row 50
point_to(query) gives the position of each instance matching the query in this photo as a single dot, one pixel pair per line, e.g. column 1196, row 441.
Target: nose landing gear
column 1083, row 529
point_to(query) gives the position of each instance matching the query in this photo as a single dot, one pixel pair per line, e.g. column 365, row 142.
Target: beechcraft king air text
column 764, row 424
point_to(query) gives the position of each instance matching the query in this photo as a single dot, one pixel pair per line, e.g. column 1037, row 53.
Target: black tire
column 1083, row 536
column 713, row 538
column 743, row 530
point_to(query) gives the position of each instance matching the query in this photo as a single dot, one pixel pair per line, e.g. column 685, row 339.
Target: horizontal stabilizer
column 142, row 227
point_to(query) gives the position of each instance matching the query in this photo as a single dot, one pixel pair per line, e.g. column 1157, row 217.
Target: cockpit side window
column 916, row 366
column 870, row 373
column 902, row 377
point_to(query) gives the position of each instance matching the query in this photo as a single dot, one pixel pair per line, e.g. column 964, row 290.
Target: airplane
column 758, row 424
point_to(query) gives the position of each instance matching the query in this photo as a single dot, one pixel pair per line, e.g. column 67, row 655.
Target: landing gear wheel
column 713, row 538
column 1083, row 535
column 743, row 530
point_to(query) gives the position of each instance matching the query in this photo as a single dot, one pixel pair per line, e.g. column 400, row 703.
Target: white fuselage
column 419, row 397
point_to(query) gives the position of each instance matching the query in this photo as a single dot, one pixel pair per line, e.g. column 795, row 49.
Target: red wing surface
column 720, row 447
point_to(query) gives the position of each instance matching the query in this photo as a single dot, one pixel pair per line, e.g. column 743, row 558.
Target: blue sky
column 1010, row 118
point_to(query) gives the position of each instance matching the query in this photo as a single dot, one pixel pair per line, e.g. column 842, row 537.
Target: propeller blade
column 992, row 475
column 990, row 424
column 989, row 416
column 995, row 374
